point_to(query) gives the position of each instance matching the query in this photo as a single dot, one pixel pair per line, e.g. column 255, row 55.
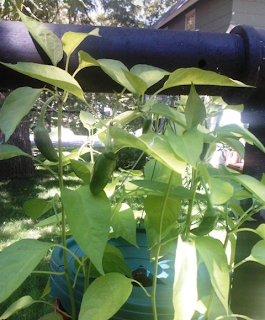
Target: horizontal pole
column 224, row 53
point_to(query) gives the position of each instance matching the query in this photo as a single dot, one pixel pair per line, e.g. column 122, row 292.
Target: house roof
column 174, row 11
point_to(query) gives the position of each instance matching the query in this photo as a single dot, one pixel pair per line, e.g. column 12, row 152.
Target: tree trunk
column 19, row 167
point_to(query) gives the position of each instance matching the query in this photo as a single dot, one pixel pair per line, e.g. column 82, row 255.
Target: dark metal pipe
column 226, row 54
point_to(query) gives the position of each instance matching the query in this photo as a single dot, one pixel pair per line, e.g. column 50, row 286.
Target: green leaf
column 21, row 303
column 212, row 253
column 113, row 261
column 51, row 316
column 85, row 60
column 149, row 74
column 156, row 171
column 153, row 144
column 110, row 187
column 169, row 113
column 187, row 76
column 221, row 191
column 251, row 184
column 241, row 195
column 105, row 296
column 195, row 111
column 46, row 290
column 261, row 230
column 49, row 42
column 15, row 107
column 185, row 282
column 188, row 146
column 154, row 205
column 234, row 130
column 263, row 179
column 49, row 74
column 115, row 69
column 10, row 151
column 50, row 221
column 146, row 187
column 35, row 208
column 88, row 217
column 17, row 262
column 258, row 253
column 82, row 169
column 123, row 223
column 217, row 309
column 236, row 145
column 87, row 119
column 71, row 40
column 139, row 86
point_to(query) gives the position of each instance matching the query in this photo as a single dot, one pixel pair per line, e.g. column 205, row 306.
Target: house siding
column 249, row 12
column 211, row 16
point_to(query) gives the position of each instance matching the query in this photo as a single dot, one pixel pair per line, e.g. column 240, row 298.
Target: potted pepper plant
column 191, row 210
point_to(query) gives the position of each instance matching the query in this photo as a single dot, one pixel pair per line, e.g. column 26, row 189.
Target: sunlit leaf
column 195, row 111
column 105, row 296
column 115, row 69
column 212, row 253
column 261, row 230
column 221, row 191
column 49, row 42
column 15, row 107
column 232, row 130
column 185, row 282
column 187, row 76
column 85, row 60
column 71, row 40
column 49, row 74
column 156, row 171
column 188, row 146
column 82, row 169
column 251, row 184
column 258, row 253
column 123, row 223
column 149, row 74
column 139, row 86
column 236, row 145
column 88, row 217
column 169, row 113
column 153, row 144
column 87, row 118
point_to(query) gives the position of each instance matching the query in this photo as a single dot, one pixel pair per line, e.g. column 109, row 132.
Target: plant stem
column 71, row 252
column 191, row 202
column 153, row 296
column 49, row 272
column 209, row 307
column 140, row 285
column 87, row 273
column 60, row 149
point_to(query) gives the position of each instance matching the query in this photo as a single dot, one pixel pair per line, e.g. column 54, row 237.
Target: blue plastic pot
column 138, row 306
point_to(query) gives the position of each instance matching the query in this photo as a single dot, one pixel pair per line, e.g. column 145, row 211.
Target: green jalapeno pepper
column 42, row 138
column 44, row 143
column 207, row 224
column 146, row 124
column 102, row 171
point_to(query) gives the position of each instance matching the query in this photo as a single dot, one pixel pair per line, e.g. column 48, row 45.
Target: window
column 190, row 20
